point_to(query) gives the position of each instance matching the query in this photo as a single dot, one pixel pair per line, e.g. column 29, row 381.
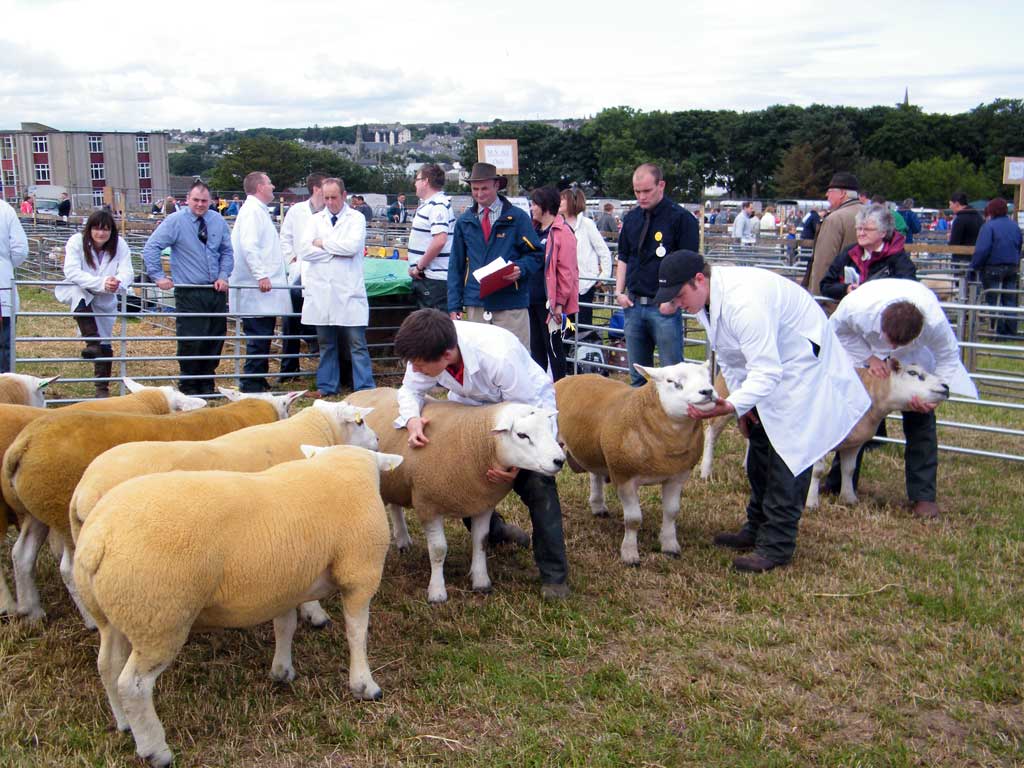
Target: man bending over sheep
column 792, row 387
column 480, row 364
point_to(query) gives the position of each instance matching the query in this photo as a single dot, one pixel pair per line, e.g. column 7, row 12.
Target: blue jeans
column 328, row 372
column 647, row 327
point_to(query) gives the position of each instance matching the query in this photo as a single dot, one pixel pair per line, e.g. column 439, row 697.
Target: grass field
column 887, row 642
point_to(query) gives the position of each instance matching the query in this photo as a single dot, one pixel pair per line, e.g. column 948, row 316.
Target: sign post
column 1013, row 173
column 503, row 154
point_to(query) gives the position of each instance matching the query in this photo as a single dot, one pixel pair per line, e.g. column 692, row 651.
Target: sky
column 118, row 65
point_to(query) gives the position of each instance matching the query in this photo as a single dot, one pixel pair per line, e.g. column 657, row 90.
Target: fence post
column 123, row 365
column 11, row 325
column 238, row 350
column 972, row 327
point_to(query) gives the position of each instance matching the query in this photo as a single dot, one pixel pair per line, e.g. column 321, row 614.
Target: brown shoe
column 754, row 563
column 314, row 394
column 740, row 540
column 925, row 510
column 552, row 592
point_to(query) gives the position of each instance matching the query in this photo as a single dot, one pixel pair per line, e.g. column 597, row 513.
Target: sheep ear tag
column 43, row 383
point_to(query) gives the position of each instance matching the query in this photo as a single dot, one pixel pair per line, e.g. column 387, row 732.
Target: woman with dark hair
column 593, row 258
column 554, row 291
column 997, row 260
column 98, row 263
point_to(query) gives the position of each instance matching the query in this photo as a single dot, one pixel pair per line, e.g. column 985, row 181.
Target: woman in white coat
column 98, row 264
column 791, row 385
column 592, row 254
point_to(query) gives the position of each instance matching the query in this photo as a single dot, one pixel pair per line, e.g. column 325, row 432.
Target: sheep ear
column 647, row 373
column 290, row 397
column 387, row 461
column 363, row 412
column 43, row 383
column 231, row 394
column 134, row 386
column 504, row 420
column 309, row 451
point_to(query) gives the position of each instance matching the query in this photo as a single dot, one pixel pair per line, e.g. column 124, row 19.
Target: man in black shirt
column 966, row 225
column 656, row 226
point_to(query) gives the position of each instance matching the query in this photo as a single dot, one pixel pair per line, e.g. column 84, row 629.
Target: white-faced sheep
column 22, row 389
column 163, row 555
column 635, row 436
column 447, row 477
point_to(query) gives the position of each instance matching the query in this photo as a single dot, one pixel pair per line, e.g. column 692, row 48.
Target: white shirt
column 333, row 284
column 497, row 368
column 88, row 281
column 762, row 327
column 13, row 251
column 744, row 228
column 768, row 222
column 434, row 216
column 292, row 229
column 592, row 254
column 257, row 250
column 857, row 322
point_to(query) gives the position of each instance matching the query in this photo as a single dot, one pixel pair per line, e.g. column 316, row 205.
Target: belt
column 641, row 300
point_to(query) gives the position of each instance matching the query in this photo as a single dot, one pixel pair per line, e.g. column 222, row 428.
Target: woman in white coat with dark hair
column 98, row 264
column 592, row 254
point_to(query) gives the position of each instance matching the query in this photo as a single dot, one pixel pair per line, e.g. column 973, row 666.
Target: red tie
column 485, row 222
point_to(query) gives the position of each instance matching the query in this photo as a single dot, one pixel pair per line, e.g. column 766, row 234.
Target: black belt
column 641, row 300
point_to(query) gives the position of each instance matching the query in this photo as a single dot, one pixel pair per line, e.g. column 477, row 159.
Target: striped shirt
column 433, row 217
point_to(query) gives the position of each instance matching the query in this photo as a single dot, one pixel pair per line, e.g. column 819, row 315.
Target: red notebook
column 492, row 276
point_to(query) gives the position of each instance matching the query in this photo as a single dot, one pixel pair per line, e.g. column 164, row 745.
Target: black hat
column 677, row 269
column 844, row 180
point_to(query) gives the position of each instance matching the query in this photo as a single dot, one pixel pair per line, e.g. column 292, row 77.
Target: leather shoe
column 512, row 534
column 554, row 591
column 925, row 510
column 754, row 563
column 314, row 394
column 740, row 540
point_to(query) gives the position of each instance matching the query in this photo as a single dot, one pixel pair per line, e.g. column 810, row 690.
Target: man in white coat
column 258, row 261
column 791, row 385
column 335, row 291
column 292, row 230
column 13, row 251
column 902, row 319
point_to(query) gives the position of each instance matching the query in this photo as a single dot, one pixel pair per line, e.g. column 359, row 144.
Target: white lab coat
column 592, row 255
column 761, row 328
column 497, row 368
column 857, row 322
column 293, row 228
column 88, row 281
column 13, row 251
column 333, row 286
column 258, row 255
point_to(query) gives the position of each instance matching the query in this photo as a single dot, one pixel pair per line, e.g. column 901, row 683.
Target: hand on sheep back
column 235, row 550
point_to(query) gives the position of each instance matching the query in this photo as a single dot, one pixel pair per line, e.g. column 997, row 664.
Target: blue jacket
column 513, row 238
column 998, row 243
column 913, row 223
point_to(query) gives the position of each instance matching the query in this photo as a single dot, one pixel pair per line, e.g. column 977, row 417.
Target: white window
column 9, row 178
column 145, row 196
column 42, row 171
column 40, row 144
column 95, row 143
column 144, row 171
column 97, row 197
column 7, row 149
column 142, row 143
column 96, row 172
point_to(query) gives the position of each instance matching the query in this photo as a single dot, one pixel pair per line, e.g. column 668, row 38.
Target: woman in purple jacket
column 997, row 261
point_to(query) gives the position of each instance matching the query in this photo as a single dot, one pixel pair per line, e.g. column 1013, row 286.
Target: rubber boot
column 101, row 370
column 89, row 330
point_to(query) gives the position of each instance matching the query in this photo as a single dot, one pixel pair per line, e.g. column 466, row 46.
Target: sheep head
column 681, row 385
column 176, row 400
column 351, row 421
column 909, row 381
column 34, row 386
column 385, row 461
column 281, row 403
column 527, row 437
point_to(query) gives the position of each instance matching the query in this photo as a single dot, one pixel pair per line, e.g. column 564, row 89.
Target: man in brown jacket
column 837, row 230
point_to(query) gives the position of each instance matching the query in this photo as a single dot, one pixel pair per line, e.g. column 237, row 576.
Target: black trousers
column 430, row 294
column 920, row 458
column 546, row 348
column 292, row 326
column 776, row 499
column 255, row 351
column 199, row 304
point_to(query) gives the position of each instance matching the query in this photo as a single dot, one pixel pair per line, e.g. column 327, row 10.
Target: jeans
column 328, row 373
column 645, row 327
column 292, row 326
column 256, row 326
column 197, row 305
column 1004, row 277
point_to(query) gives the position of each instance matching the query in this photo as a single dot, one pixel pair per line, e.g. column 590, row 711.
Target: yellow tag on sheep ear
column 359, row 419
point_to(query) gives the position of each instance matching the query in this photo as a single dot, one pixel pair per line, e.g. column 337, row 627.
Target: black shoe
column 754, row 563
column 512, row 534
column 552, row 592
column 741, row 540
column 92, row 351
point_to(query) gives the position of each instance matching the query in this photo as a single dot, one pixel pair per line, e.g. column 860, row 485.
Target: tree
column 796, row 175
column 194, row 161
column 281, row 160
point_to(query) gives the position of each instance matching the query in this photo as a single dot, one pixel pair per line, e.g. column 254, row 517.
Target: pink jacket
column 561, row 269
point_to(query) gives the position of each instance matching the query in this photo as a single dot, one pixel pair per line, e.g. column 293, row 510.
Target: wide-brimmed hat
column 486, row 172
column 844, row 180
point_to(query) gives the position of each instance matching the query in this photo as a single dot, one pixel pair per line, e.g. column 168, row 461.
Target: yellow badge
column 657, row 237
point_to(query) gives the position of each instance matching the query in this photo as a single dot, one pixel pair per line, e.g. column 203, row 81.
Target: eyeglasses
column 867, row 229
column 418, row 178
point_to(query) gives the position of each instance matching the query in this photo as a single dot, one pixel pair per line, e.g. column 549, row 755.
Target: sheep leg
column 437, row 547
column 711, row 432
column 401, row 531
column 135, row 688
column 632, row 516
column 26, row 550
column 67, row 568
column 110, row 661
column 7, row 602
column 478, row 567
column 314, row 615
column 847, row 464
column 281, row 668
column 356, row 605
column 813, row 491
column 598, row 506
column 671, row 490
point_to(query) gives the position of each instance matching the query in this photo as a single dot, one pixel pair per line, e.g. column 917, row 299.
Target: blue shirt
column 672, row 227
column 191, row 261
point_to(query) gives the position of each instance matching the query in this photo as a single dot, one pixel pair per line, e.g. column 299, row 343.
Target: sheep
column 14, row 418
column 634, row 437
column 713, row 428
column 46, row 461
column 893, row 393
column 22, row 389
column 163, row 555
column 447, row 477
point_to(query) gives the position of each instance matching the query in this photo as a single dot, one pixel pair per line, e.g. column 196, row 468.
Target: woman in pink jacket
column 554, row 292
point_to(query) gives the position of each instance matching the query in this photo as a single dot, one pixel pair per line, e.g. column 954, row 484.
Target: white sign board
column 498, row 155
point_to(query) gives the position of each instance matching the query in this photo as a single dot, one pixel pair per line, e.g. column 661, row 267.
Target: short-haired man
column 966, row 227
column 335, row 300
column 903, row 319
column 490, row 229
column 13, row 251
column 397, row 213
column 655, row 227
column 201, row 262
column 64, row 207
column 478, row 365
column 259, row 260
column 606, row 223
column 747, row 226
column 790, row 383
column 359, row 203
column 430, row 239
column 292, row 229
column 906, row 210
column 838, row 229
column 233, row 207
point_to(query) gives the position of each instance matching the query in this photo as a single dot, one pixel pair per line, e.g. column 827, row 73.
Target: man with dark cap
column 791, row 385
column 838, row 229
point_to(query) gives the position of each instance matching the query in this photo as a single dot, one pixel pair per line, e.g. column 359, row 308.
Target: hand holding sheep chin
column 722, row 408
column 878, row 367
column 499, row 475
column 916, row 404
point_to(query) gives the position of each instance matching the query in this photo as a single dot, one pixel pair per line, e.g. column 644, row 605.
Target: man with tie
column 201, row 261
column 655, row 227
column 335, row 300
column 396, row 212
